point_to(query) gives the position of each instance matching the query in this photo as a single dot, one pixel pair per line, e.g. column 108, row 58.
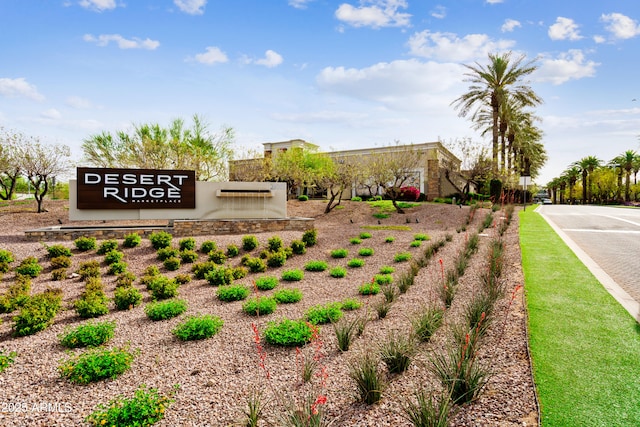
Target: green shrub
column 96, row 364
column 298, row 247
column 201, row 269
column 208, row 246
column 55, row 251
column 107, row 246
column 383, row 279
column 182, row 278
column 198, row 327
column 355, row 263
column 230, row 293
column 303, row 197
column 90, row 334
column 29, row 267
column 92, row 304
column 239, row 272
column 339, row 253
column 274, row 244
column 259, row 305
column 166, row 253
column 85, row 243
column 320, row 314
column 89, row 269
column 188, row 256
column 160, row 239
column 402, row 256
column 6, row 256
column 365, row 235
column 371, row 288
column 219, row 276
column 316, row 266
column 356, row 199
column 421, row 237
column 218, row 256
column 62, row 261
column 292, row 275
column 162, row 287
column 163, row 310
column 387, row 269
column 365, row 252
column 338, row 272
column 151, row 270
column 4, row 267
column 288, row 333
column 16, row 295
column 389, row 239
column 131, row 240
column 287, row 296
column 256, row 265
column 310, row 237
column 276, row 259
column 172, row 264
column 355, row 241
column 37, row 312
column 265, row 283
column 6, row 359
column 415, row 243
column 125, row 279
column 113, row 257
column 232, row 250
column 145, row 408
column 117, row 267
column 350, row 304
column 381, row 215
column 58, row 274
column 249, row 243
column 126, row 298
column 187, row 244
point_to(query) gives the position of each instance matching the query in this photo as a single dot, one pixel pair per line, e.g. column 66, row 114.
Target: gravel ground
column 216, row 375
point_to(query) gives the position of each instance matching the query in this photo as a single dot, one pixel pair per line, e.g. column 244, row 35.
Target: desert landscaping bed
column 216, row 376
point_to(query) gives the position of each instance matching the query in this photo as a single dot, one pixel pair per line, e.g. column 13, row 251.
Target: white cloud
column 570, row 65
column 211, row 56
column 380, row 13
column 52, row 114
column 134, row 43
column 620, row 26
column 449, row 47
column 299, row 4
column 439, row 12
column 15, row 88
column 510, row 25
column 271, row 59
column 192, row 7
column 599, row 39
column 564, row 29
column 78, row 103
column 494, row 1
column 98, row 5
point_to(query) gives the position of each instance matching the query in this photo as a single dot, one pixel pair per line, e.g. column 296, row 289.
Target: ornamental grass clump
column 198, row 327
column 345, row 331
column 163, row 310
column 96, row 364
column 369, row 379
column 396, row 352
column 427, row 410
column 426, row 321
column 90, row 334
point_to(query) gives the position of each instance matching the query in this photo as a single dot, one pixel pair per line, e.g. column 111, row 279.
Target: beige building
column 437, row 174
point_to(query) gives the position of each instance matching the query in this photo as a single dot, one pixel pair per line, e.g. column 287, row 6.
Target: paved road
column 609, row 239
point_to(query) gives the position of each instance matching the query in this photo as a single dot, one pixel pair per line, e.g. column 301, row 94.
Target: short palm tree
column 587, row 165
column 625, row 163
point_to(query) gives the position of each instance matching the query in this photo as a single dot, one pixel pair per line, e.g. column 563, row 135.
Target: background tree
column 571, row 176
column 41, row 163
column 151, row 146
column 625, row 162
column 587, row 165
column 250, row 165
column 475, row 161
column 338, row 175
column 10, row 167
column 300, row 168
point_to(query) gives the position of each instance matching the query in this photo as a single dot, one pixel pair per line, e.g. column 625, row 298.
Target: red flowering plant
column 411, row 194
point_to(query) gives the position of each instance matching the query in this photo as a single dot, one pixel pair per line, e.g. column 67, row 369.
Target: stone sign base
column 178, row 228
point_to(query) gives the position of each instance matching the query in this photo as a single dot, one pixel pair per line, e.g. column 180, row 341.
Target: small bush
column 113, row 257
column 92, row 304
column 29, row 267
column 125, row 279
column 6, row 256
column 288, row 333
column 339, row 253
column 91, row 334
column 365, row 252
column 166, row 253
column 277, row 259
column 61, row 262
column 389, row 239
column 201, row 269
column 151, row 270
column 422, row 237
column 316, row 266
column 117, row 267
column 89, row 269
column 198, row 327
column 298, row 247
column 256, row 265
column 275, row 243
column 160, row 239
column 338, row 272
column 387, row 269
column 132, row 240
column 355, row 241
column 320, row 314
column 382, row 308
column 58, row 274
column 365, row 235
column 145, row 408
column 6, row 360
column 356, row 199
column 287, row 296
column 355, row 263
column 208, row 246
column 232, row 250
column 402, row 257
column 187, row 244
column 345, row 332
column 219, row 276
column 265, row 283
column 188, row 256
column 303, row 197
column 230, row 293
column 310, row 237
column 182, row 278
column 371, row 288
column 172, row 264
column 218, row 256
column 428, row 411
column 107, row 246
column 239, row 272
column 37, row 312
column 162, row 287
column 163, row 310
column 55, row 251
column 383, row 279
column 16, row 295
column 249, row 243
column 259, row 306
column 368, row 378
column 126, row 298
column 415, row 243
column 350, row 304
column 96, row 364
column 292, row 275
column 84, row 243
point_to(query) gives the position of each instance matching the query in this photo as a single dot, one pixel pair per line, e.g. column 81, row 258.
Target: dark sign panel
column 103, row 188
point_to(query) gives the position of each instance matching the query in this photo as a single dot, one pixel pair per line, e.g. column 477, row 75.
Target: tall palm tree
column 490, row 85
column 625, row 162
column 571, row 176
column 587, row 165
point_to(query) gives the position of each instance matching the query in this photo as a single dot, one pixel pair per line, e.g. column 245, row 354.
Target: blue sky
column 341, row 74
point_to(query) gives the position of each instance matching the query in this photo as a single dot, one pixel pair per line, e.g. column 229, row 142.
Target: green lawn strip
column 585, row 346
